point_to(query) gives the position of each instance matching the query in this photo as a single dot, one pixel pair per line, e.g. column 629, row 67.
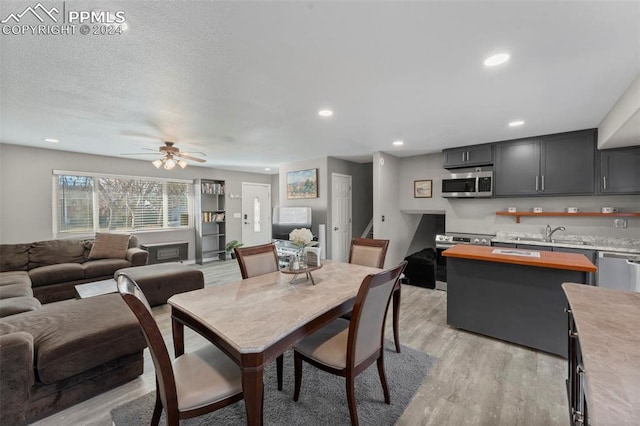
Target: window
column 85, row 203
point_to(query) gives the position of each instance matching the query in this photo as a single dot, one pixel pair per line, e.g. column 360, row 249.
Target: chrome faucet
column 549, row 232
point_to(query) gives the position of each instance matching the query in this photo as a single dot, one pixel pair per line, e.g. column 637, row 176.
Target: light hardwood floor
column 475, row 381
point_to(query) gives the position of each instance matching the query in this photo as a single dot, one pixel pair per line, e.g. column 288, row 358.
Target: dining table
column 257, row 319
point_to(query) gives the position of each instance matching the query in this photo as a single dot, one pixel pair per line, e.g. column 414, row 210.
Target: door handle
column 247, row 223
column 335, row 228
column 604, row 182
column 536, row 182
column 543, row 182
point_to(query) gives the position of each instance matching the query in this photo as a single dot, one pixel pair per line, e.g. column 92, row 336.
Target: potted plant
column 230, row 246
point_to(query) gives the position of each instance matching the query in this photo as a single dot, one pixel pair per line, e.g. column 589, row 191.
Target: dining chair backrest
column 368, row 252
column 366, row 329
column 257, row 260
column 137, row 302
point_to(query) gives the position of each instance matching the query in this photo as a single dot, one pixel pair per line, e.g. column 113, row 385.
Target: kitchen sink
column 542, row 240
column 569, row 242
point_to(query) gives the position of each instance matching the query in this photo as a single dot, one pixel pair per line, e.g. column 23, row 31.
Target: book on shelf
column 212, row 188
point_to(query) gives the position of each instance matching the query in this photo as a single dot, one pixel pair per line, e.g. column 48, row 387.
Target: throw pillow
column 109, row 246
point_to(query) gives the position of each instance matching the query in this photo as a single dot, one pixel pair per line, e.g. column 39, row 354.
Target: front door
column 340, row 216
column 256, row 214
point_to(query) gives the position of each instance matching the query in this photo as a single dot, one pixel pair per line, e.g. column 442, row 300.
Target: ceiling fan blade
column 140, row 153
column 188, row 157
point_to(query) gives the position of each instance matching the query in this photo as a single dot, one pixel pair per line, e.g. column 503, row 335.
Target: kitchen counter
column 547, row 259
column 626, row 245
column 608, row 326
column 515, row 298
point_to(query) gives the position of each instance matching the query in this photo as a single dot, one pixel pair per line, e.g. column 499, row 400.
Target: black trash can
column 421, row 268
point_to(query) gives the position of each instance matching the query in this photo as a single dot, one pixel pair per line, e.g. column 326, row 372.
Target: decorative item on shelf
column 609, row 210
column 573, row 209
column 538, row 209
column 219, row 217
column 512, row 209
column 230, row 246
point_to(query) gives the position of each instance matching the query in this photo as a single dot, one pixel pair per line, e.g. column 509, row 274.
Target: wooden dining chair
column 193, row 384
column 259, row 260
column 347, row 348
column 372, row 252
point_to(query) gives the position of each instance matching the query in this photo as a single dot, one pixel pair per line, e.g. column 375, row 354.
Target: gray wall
column 26, row 204
column 362, row 192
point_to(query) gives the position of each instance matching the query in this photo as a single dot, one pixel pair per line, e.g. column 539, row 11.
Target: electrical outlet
column 619, row 223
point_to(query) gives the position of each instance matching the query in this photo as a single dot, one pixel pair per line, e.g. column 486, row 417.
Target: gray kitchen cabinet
column 534, row 247
column 506, row 245
column 516, row 168
column 561, row 164
column 620, row 171
column 567, row 163
column 592, row 255
column 468, row 156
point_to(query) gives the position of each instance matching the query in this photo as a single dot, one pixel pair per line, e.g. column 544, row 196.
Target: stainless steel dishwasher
column 619, row 270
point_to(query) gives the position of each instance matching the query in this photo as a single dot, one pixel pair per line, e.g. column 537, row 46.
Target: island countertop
column 608, row 325
column 546, row 259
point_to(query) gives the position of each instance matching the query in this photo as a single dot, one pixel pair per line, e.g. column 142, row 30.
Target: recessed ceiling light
column 51, row 140
column 498, row 59
column 325, row 113
column 398, row 143
column 516, row 123
column 267, row 168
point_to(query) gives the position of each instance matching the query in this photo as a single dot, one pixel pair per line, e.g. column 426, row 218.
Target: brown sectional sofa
column 54, row 267
column 58, row 354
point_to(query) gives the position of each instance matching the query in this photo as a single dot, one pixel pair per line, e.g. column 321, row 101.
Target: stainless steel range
column 450, row 239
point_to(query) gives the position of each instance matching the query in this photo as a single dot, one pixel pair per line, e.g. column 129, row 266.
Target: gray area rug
column 322, row 400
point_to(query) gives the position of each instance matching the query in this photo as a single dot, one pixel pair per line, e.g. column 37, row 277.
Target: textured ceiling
column 243, row 81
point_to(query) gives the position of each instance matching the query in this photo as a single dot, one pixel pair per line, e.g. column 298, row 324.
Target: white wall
column 26, row 191
column 398, row 227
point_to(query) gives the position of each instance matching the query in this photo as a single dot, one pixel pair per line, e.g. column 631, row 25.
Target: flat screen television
column 286, row 219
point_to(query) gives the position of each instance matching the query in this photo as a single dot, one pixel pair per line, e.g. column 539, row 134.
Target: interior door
column 256, row 214
column 340, row 216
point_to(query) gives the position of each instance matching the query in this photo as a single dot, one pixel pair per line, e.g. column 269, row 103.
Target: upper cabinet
column 620, row 171
column 468, row 156
column 561, row 164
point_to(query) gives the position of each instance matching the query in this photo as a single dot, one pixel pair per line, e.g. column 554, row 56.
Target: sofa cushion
column 74, row 336
column 17, row 305
column 14, row 277
column 109, row 246
column 54, row 274
column 103, row 267
column 14, row 257
column 15, row 290
column 53, row 252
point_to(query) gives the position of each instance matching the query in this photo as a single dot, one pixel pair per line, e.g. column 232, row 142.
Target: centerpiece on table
column 301, row 238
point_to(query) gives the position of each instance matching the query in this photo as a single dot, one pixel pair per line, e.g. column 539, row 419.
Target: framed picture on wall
column 422, row 188
column 302, row 184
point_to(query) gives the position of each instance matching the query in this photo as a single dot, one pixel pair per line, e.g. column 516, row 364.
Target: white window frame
column 96, row 207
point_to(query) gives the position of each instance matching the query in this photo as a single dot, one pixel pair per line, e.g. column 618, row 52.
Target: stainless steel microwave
column 467, row 185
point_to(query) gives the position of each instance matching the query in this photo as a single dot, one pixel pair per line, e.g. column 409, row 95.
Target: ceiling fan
column 171, row 156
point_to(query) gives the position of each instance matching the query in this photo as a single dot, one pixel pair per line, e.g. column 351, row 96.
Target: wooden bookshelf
column 518, row 215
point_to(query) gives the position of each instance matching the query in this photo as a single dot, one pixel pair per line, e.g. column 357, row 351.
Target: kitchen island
column 604, row 361
column 513, row 295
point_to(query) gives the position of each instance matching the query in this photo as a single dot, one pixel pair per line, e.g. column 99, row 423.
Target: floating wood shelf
column 518, row 215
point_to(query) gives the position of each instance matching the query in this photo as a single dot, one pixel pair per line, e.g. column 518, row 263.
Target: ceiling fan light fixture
column 182, row 163
column 157, row 163
column 169, row 164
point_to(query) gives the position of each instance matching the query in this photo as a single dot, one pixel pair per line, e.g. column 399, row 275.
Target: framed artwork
column 302, row 184
column 422, row 188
